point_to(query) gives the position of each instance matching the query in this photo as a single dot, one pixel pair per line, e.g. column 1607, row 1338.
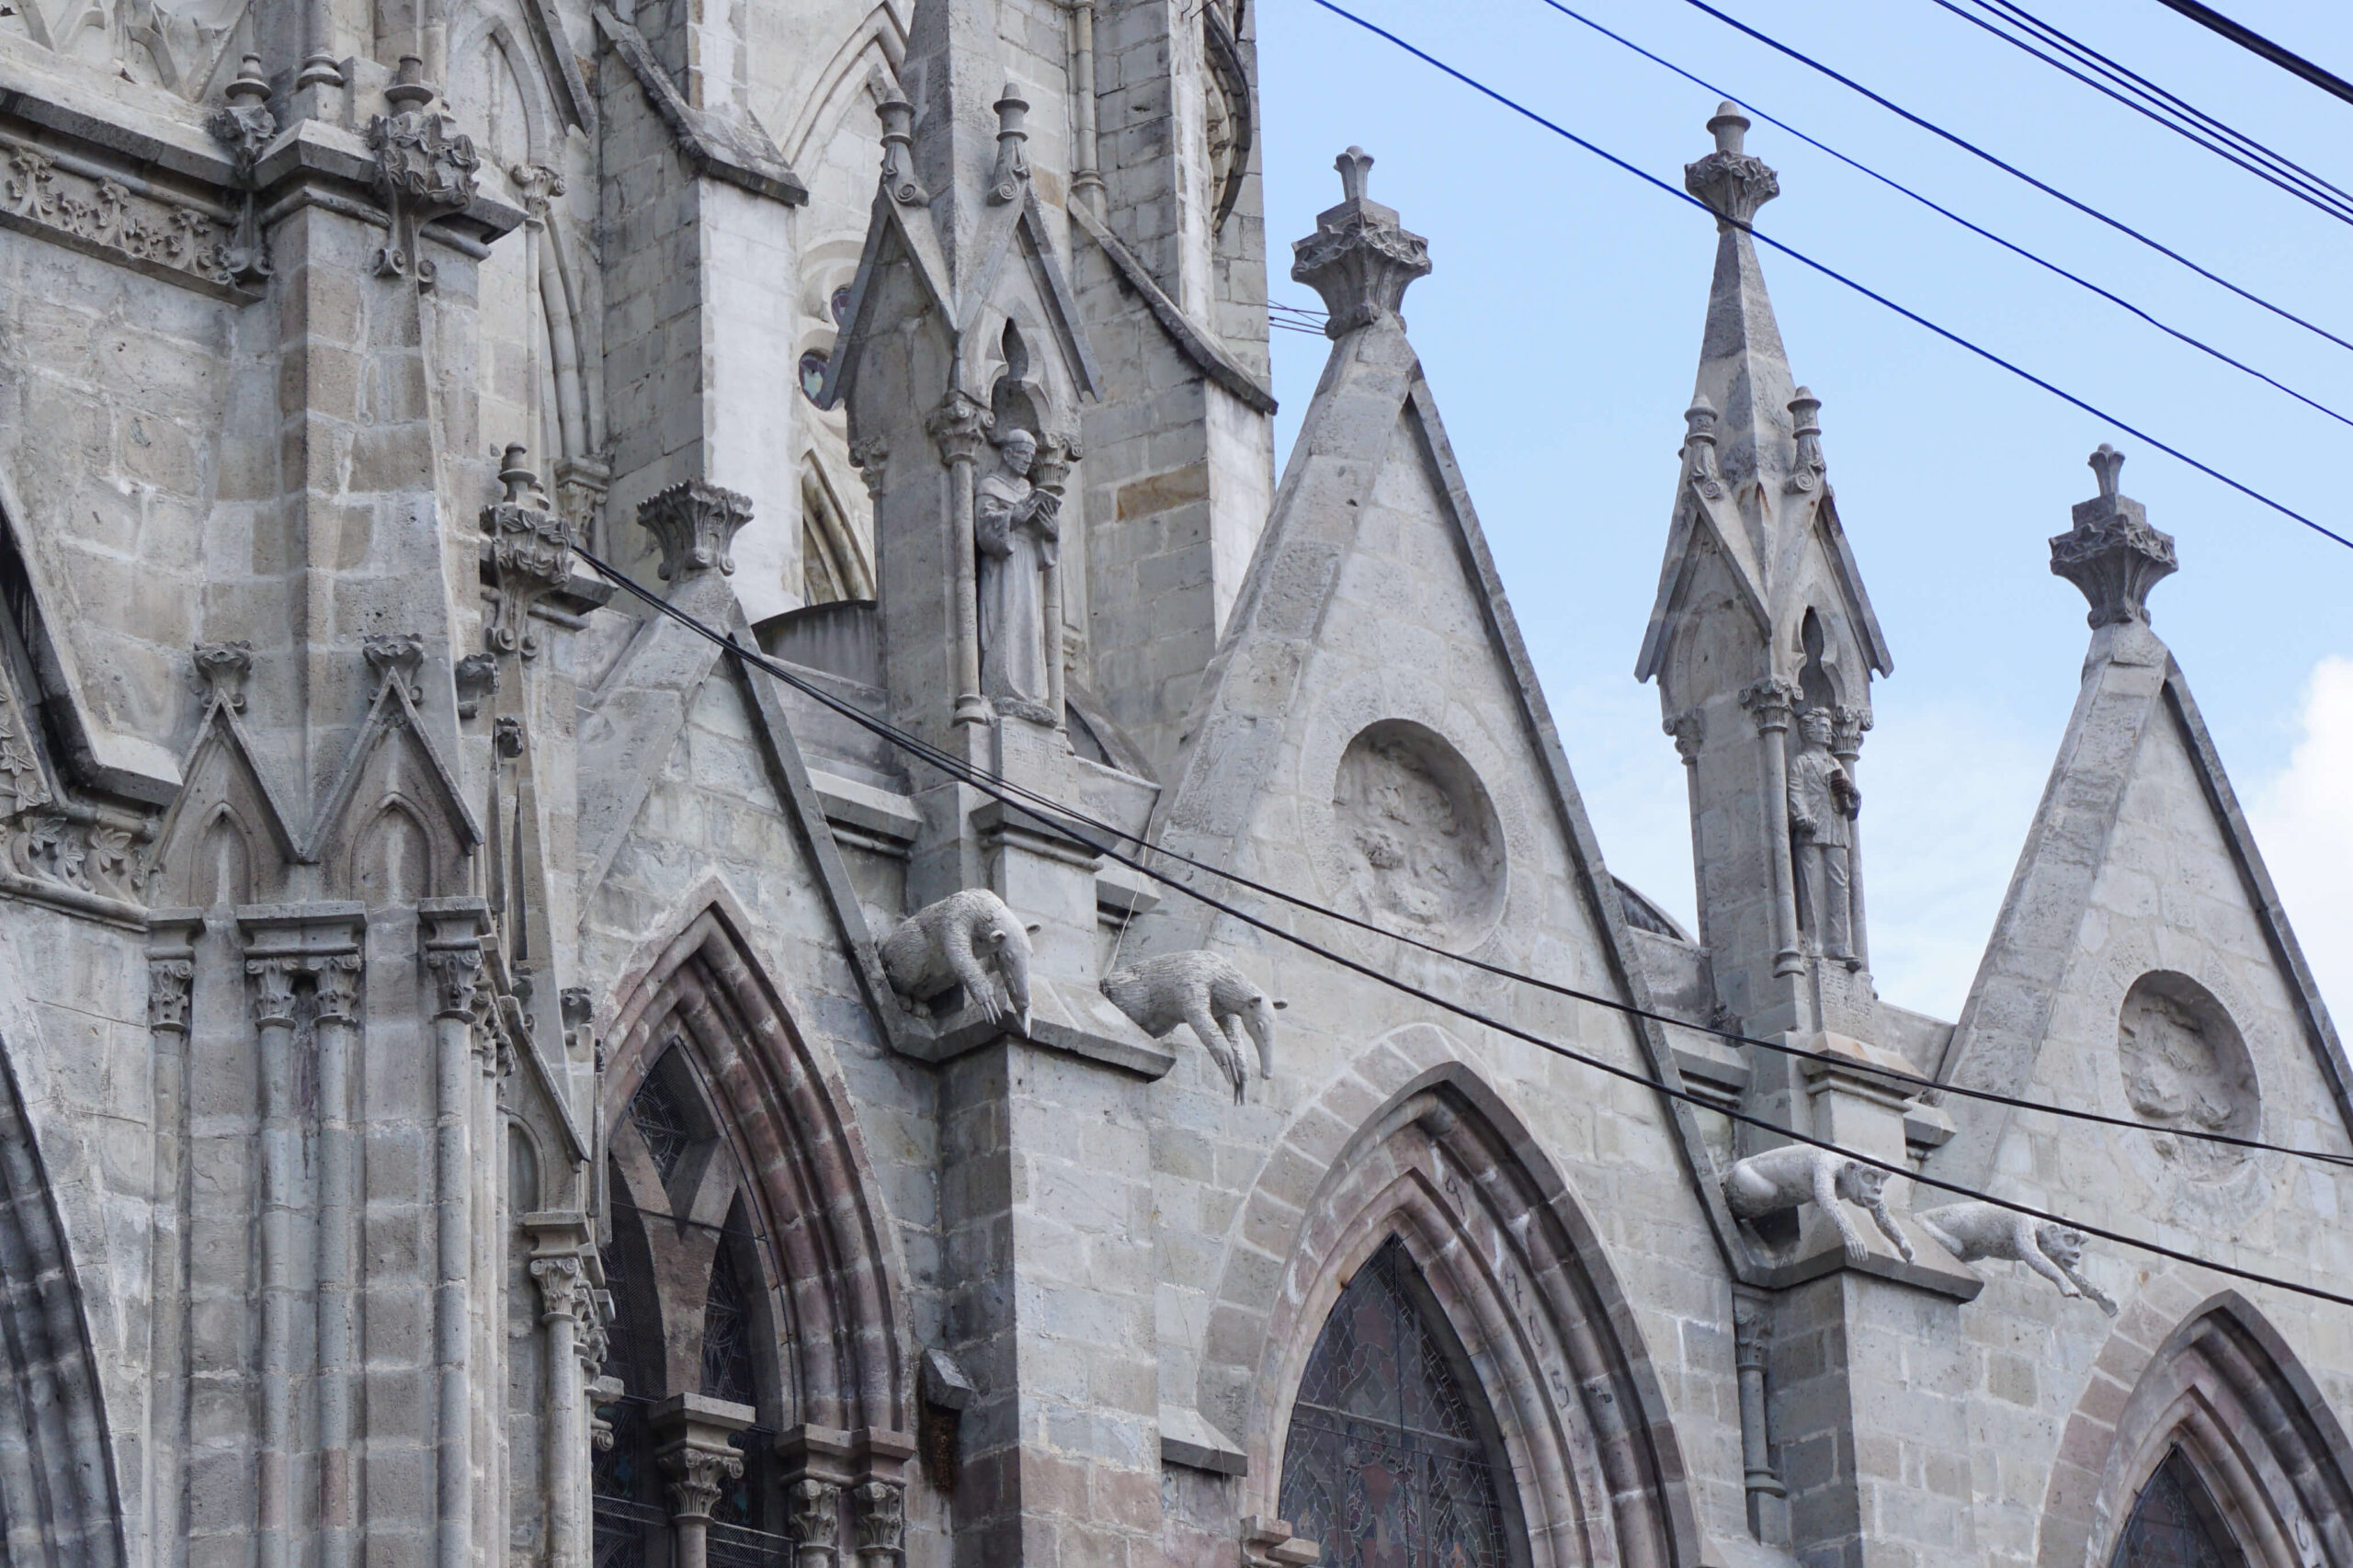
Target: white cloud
column 2303, row 819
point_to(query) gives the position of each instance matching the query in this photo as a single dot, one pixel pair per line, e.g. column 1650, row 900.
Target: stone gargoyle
column 1975, row 1231
column 1204, row 990
column 1797, row 1173
column 969, row 939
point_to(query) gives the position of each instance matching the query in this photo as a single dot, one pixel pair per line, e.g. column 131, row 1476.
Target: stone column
column 1847, row 745
column 337, row 978
column 1752, row 1322
column 693, row 1451
column 561, row 1258
column 1769, row 702
column 453, row 958
column 281, row 1157
column 960, row 427
column 1085, row 173
column 1689, row 728
column 1056, row 452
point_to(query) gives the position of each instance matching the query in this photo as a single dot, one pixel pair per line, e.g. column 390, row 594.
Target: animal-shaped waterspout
column 1797, row 1173
column 1976, row 1230
column 969, row 939
column 1204, row 990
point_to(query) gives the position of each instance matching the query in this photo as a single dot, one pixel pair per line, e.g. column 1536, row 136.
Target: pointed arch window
column 2174, row 1523
column 1392, row 1458
column 660, row 1119
column 727, row 1332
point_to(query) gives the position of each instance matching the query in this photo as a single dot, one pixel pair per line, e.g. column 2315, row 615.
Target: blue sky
column 1562, row 323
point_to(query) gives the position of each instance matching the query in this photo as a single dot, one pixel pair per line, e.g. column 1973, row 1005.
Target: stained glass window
column 2174, row 1524
column 727, row 1333
column 1389, row 1463
column 660, row 1119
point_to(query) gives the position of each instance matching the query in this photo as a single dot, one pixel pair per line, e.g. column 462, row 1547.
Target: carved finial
column 1729, row 127
column 1012, row 158
column 1360, row 258
column 520, row 482
column 1354, row 165
column 394, row 658
column 898, row 117
column 251, row 86
column 1699, row 448
column 2109, row 465
column 409, row 89
column 1804, row 417
column 695, row 524
column 2112, row 553
column 1728, row 181
column 222, row 667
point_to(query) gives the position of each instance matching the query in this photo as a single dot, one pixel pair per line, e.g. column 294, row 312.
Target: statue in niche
column 1015, row 528
column 1824, row 802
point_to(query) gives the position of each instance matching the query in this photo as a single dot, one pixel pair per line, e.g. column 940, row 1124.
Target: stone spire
column 1743, row 371
column 2112, row 553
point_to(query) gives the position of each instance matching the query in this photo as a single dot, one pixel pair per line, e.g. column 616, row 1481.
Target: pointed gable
column 2142, row 920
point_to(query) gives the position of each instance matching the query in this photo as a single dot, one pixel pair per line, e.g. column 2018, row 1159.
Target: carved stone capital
column 2112, row 553
column 1010, row 178
column 1731, row 183
column 273, row 990
column 562, row 1280
column 1057, row 451
column 1752, row 1332
column 593, row 1340
column 814, row 1519
column 425, row 170
column 337, row 979
column 960, row 427
column 1360, row 258
column 457, row 978
column 1770, row 702
column 395, row 658
column 868, row 457
column 1848, row 723
column 878, row 1512
column 222, row 667
column 695, row 524
column 170, row 982
column 539, row 185
column 697, row 1475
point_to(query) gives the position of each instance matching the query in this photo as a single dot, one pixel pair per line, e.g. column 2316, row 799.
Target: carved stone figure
column 969, row 939
column 1014, row 527
column 1783, row 1179
column 1975, row 1231
column 2185, row 1068
column 1206, row 991
column 1824, row 802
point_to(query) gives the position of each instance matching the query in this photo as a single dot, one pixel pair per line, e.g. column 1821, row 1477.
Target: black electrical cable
column 1061, row 813
column 1933, row 206
column 1970, row 147
column 996, row 788
column 2256, row 43
column 2161, row 98
column 1836, row 276
column 2299, row 183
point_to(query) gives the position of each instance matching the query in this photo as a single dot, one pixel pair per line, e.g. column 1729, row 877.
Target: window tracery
column 2174, row 1524
column 1391, row 1459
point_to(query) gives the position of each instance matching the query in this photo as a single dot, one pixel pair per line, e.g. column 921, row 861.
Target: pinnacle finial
column 1729, row 126
column 2112, row 553
column 1354, row 165
column 518, row 477
column 409, row 87
column 2108, row 463
column 251, row 85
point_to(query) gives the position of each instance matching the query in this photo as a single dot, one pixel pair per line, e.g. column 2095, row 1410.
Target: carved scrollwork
column 425, row 170
column 222, row 668
column 396, row 657
column 1805, row 416
column 245, row 125
column 170, row 983
column 1700, row 449
column 103, row 214
column 530, row 557
column 898, row 117
column 1011, row 176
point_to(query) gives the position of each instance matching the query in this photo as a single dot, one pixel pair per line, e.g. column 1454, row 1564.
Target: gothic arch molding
column 2225, row 1389
column 1442, row 1164
column 58, row 1502
column 786, row 1114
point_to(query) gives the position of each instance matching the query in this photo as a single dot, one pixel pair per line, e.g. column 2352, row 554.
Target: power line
column 1836, row 276
column 997, row 788
column 2256, row 43
column 2264, row 165
column 1977, row 228
column 2011, row 169
column 1063, row 813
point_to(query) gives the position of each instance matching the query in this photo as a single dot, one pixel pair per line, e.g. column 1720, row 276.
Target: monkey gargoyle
column 969, row 939
column 1797, row 1173
column 1206, row 991
column 1975, row 1231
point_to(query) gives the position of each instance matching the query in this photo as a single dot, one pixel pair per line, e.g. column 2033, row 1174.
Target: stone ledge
column 1188, row 1438
column 1062, row 1018
column 740, row 156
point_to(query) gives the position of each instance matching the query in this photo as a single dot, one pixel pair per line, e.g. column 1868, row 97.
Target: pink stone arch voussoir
column 1412, row 1142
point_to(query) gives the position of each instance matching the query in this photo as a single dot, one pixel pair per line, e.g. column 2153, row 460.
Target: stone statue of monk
column 1824, row 802
column 1015, row 526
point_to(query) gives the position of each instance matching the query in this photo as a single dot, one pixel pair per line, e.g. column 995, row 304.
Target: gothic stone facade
column 490, row 1077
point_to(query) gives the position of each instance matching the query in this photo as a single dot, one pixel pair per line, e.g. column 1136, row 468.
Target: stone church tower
column 700, row 871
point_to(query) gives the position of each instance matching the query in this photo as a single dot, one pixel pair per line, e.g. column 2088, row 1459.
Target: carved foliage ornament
column 247, row 125
column 1732, row 183
column 105, row 215
column 2112, row 553
column 62, row 842
column 530, row 557
column 695, row 524
column 1360, row 258
column 425, row 170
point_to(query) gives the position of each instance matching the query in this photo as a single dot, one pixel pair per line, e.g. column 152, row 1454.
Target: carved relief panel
column 2186, row 1066
column 1418, row 834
